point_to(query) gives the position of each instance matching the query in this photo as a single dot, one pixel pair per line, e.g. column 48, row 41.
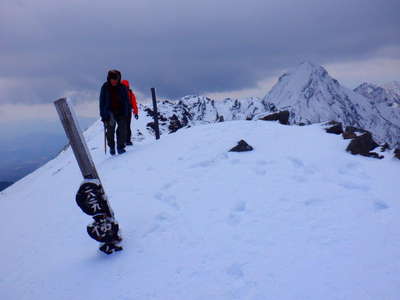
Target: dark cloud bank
column 179, row 46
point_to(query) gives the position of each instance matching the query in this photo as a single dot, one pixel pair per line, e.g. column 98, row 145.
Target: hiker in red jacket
column 135, row 111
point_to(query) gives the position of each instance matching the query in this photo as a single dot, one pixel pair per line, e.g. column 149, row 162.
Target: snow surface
column 297, row 218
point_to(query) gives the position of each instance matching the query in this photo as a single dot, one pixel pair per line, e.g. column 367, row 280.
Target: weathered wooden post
column 155, row 116
column 90, row 197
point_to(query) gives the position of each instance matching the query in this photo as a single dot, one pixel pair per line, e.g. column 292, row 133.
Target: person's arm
column 134, row 104
column 102, row 105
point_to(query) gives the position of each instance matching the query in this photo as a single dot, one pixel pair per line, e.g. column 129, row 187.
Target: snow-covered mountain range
column 310, row 95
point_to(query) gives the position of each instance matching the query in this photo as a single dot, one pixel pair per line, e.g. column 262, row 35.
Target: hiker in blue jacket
column 114, row 110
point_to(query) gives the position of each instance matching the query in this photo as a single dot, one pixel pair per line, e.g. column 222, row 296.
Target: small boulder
column 352, row 132
column 282, row 117
column 348, row 135
column 397, row 153
column 334, row 127
column 385, row 147
column 174, row 124
column 362, row 145
column 242, row 146
column 151, row 125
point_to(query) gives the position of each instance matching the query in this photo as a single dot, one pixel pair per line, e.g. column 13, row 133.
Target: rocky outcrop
column 363, row 145
column 334, row 127
column 397, row 153
column 282, row 117
column 352, row 132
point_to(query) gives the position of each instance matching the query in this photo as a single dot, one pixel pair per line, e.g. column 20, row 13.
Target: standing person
column 114, row 110
column 135, row 111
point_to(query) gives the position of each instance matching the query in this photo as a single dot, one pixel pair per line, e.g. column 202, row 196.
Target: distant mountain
column 4, row 185
column 393, row 89
column 388, row 94
column 311, row 95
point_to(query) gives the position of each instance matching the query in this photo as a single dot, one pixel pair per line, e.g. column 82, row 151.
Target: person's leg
column 128, row 130
column 121, row 132
column 110, row 133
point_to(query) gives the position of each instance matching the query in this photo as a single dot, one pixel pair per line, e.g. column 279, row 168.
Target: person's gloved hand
column 136, row 117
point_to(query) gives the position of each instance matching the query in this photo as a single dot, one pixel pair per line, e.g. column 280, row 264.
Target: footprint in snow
column 354, row 186
column 170, row 200
column 240, row 206
column 312, row 201
column 260, row 171
column 235, row 271
column 296, row 162
column 380, row 205
column 235, row 217
column 159, row 221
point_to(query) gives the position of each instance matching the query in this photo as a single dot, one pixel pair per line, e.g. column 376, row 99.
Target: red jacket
column 132, row 97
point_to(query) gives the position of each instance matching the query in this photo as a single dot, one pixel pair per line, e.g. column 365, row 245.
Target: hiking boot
column 129, row 143
column 121, row 151
column 112, row 151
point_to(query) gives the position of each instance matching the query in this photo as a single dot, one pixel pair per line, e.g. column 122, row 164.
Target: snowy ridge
column 284, row 221
column 311, row 96
column 196, row 110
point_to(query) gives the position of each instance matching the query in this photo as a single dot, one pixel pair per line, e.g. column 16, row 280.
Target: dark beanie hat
column 114, row 74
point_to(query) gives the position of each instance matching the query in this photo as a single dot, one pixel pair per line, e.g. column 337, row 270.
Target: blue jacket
column 105, row 101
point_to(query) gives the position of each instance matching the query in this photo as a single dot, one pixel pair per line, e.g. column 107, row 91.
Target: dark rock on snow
column 351, row 132
column 385, row 147
column 335, row 127
column 175, row 124
column 362, row 145
column 397, row 153
column 282, row 117
column 242, row 146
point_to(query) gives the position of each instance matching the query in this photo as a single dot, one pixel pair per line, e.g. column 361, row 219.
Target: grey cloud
column 180, row 47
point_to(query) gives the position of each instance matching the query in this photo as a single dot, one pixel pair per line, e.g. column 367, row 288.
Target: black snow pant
column 128, row 128
column 119, row 122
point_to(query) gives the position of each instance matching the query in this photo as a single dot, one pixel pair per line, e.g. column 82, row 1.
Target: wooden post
column 155, row 116
column 90, row 197
column 70, row 123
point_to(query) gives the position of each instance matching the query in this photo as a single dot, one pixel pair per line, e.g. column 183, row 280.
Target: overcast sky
column 53, row 48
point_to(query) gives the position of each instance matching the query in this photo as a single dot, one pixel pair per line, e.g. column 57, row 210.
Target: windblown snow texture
column 296, row 218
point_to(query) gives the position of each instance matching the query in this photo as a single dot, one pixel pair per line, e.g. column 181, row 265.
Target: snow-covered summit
column 296, row 218
column 311, row 95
